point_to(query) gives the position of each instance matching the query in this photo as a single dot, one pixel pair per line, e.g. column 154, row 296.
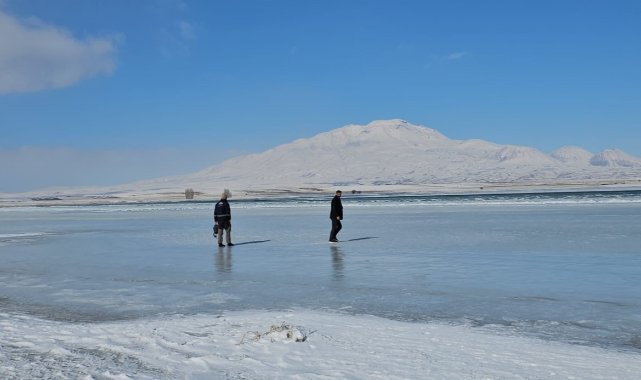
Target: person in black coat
column 336, row 215
column 222, row 219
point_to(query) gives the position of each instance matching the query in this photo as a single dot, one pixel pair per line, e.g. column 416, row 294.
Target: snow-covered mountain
column 572, row 154
column 395, row 152
column 615, row 158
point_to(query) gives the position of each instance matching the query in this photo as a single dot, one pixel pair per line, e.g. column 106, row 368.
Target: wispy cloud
column 186, row 30
column 457, row 55
column 176, row 34
column 36, row 56
column 177, row 38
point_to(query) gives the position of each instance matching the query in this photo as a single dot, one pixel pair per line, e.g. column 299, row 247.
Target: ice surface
column 555, row 272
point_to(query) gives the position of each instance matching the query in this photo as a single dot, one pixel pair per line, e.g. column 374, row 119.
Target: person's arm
column 335, row 212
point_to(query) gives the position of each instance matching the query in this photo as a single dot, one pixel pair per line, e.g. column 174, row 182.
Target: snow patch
column 277, row 333
column 341, row 346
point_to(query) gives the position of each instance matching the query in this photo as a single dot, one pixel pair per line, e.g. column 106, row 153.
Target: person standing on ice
column 336, row 215
column 222, row 218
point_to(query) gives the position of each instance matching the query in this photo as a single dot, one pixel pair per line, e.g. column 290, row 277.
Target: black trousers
column 336, row 227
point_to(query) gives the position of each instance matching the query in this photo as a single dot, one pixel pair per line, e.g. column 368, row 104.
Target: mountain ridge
column 386, row 155
column 398, row 152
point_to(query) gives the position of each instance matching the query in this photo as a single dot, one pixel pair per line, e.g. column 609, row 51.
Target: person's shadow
column 362, row 238
column 251, row 242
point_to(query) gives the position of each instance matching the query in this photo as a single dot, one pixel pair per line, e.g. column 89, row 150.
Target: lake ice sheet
column 564, row 268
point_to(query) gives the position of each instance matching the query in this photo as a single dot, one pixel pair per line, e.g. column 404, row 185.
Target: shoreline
column 78, row 197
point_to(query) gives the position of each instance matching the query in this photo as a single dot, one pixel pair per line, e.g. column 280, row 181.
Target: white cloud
column 36, row 56
column 457, row 55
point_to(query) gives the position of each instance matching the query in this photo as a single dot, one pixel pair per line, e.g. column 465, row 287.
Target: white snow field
column 298, row 344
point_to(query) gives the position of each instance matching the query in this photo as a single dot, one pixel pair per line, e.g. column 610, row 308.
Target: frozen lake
column 562, row 267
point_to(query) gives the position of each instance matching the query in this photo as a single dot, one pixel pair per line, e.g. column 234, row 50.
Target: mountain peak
column 393, row 128
column 572, row 154
column 615, row 157
column 391, row 123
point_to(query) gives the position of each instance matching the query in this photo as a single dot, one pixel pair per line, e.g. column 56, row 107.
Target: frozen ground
column 529, row 286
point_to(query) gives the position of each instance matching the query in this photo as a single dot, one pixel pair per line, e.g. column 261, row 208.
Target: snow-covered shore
column 90, row 196
column 291, row 344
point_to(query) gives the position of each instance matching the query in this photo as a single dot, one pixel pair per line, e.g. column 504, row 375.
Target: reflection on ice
column 338, row 264
column 223, row 260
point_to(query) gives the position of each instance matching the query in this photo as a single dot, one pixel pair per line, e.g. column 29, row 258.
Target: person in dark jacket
column 222, row 218
column 336, row 215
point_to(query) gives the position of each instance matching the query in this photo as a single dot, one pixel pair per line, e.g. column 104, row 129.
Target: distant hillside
column 382, row 155
column 395, row 152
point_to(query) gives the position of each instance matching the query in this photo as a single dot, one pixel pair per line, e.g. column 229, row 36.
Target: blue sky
column 103, row 92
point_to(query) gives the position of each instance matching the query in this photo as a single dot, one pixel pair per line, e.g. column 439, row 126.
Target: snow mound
column 277, row 333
